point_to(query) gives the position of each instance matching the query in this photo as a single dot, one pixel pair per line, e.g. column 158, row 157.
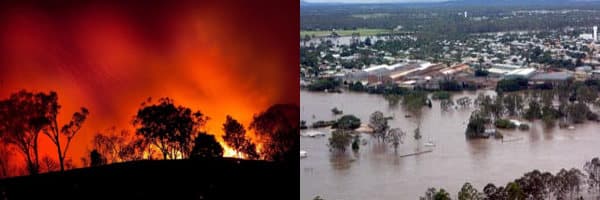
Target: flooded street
column 377, row 172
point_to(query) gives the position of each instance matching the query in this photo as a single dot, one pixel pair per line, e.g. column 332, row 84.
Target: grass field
column 361, row 31
column 371, row 16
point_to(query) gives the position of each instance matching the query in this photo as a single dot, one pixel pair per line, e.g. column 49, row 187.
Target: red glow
column 218, row 58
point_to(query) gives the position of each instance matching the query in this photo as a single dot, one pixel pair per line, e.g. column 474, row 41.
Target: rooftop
column 559, row 76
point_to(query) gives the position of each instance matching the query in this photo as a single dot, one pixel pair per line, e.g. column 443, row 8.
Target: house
column 520, row 72
column 552, row 78
column 595, row 74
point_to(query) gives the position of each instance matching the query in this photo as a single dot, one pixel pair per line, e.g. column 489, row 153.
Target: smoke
column 219, row 58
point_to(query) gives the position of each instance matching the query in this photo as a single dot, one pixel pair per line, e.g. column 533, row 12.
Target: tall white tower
column 595, row 33
column 465, row 14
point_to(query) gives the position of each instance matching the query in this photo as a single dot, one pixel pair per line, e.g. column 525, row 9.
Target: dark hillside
column 164, row 179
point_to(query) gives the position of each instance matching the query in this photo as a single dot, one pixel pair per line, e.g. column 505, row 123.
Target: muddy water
column 377, row 172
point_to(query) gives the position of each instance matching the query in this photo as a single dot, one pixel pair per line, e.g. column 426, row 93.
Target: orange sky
column 220, row 58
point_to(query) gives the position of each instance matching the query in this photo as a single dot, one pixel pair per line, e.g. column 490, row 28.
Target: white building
column 595, row 33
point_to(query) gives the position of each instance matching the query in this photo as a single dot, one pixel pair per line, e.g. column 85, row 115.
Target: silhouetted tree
column 205, row 146
column 278, row 130
column 110, row 144
column 5, row 156
column 68, row 130
column 168, row 127
column 96, row 159
column 49, row 164
column 235, row 137
column 22, row 117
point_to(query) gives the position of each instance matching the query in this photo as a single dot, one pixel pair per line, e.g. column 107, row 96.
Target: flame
column 228, row 152
column 109, row 58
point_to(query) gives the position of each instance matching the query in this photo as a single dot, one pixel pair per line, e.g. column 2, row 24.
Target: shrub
column 504, row 123
column 524, row 127
column 440, row 95
column 347, row 122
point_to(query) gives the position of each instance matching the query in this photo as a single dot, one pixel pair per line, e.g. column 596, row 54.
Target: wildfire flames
column 110, row 57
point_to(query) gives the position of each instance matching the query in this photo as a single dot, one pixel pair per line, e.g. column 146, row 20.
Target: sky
column 373, row 1
column 222, row 58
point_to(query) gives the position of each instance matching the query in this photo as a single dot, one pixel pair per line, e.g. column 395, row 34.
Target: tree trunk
column 61, row 160
column 36, row 157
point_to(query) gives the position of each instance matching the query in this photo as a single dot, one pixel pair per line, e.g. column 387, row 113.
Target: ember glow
column 224, row 58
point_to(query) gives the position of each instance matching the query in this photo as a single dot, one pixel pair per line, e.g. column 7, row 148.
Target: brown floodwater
column 377, row 172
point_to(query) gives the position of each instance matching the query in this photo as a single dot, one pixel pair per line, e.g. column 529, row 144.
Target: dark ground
column 170, row 179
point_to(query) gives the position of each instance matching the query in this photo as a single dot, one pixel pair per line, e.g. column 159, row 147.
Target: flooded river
column 377, row 172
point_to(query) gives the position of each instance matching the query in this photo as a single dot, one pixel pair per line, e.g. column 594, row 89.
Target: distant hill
column 467, row 3
column 515, row 2
column 163, row 179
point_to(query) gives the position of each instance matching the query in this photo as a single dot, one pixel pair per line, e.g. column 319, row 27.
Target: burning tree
column 235, row 137
column 278, row 130
column 170, row 128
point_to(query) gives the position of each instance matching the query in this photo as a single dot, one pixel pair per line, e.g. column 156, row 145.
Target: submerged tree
column 340, row 139
column 348, row 122
column 235, row 137
column 394, row 137
column 379, row 124
column 205, row 146
column 170, row 128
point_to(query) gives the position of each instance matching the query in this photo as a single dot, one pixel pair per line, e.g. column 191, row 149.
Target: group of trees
column 163, row 130
column 444, row 21
column 565, row 184
column 24, row 115
column 344, row 134
column 566, row 103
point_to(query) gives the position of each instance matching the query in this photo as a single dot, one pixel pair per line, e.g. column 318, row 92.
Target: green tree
column 356, row 143
column 340, row 139
column 534, row 111
column 586, row 94
column 514, row 191
column 347, row 122
column 578, row 112
column 379, row 124
column 468, row 192
column 434, row 194
column 394, row 137
column 593, row 170
column 476, row 125
column 513, row 104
